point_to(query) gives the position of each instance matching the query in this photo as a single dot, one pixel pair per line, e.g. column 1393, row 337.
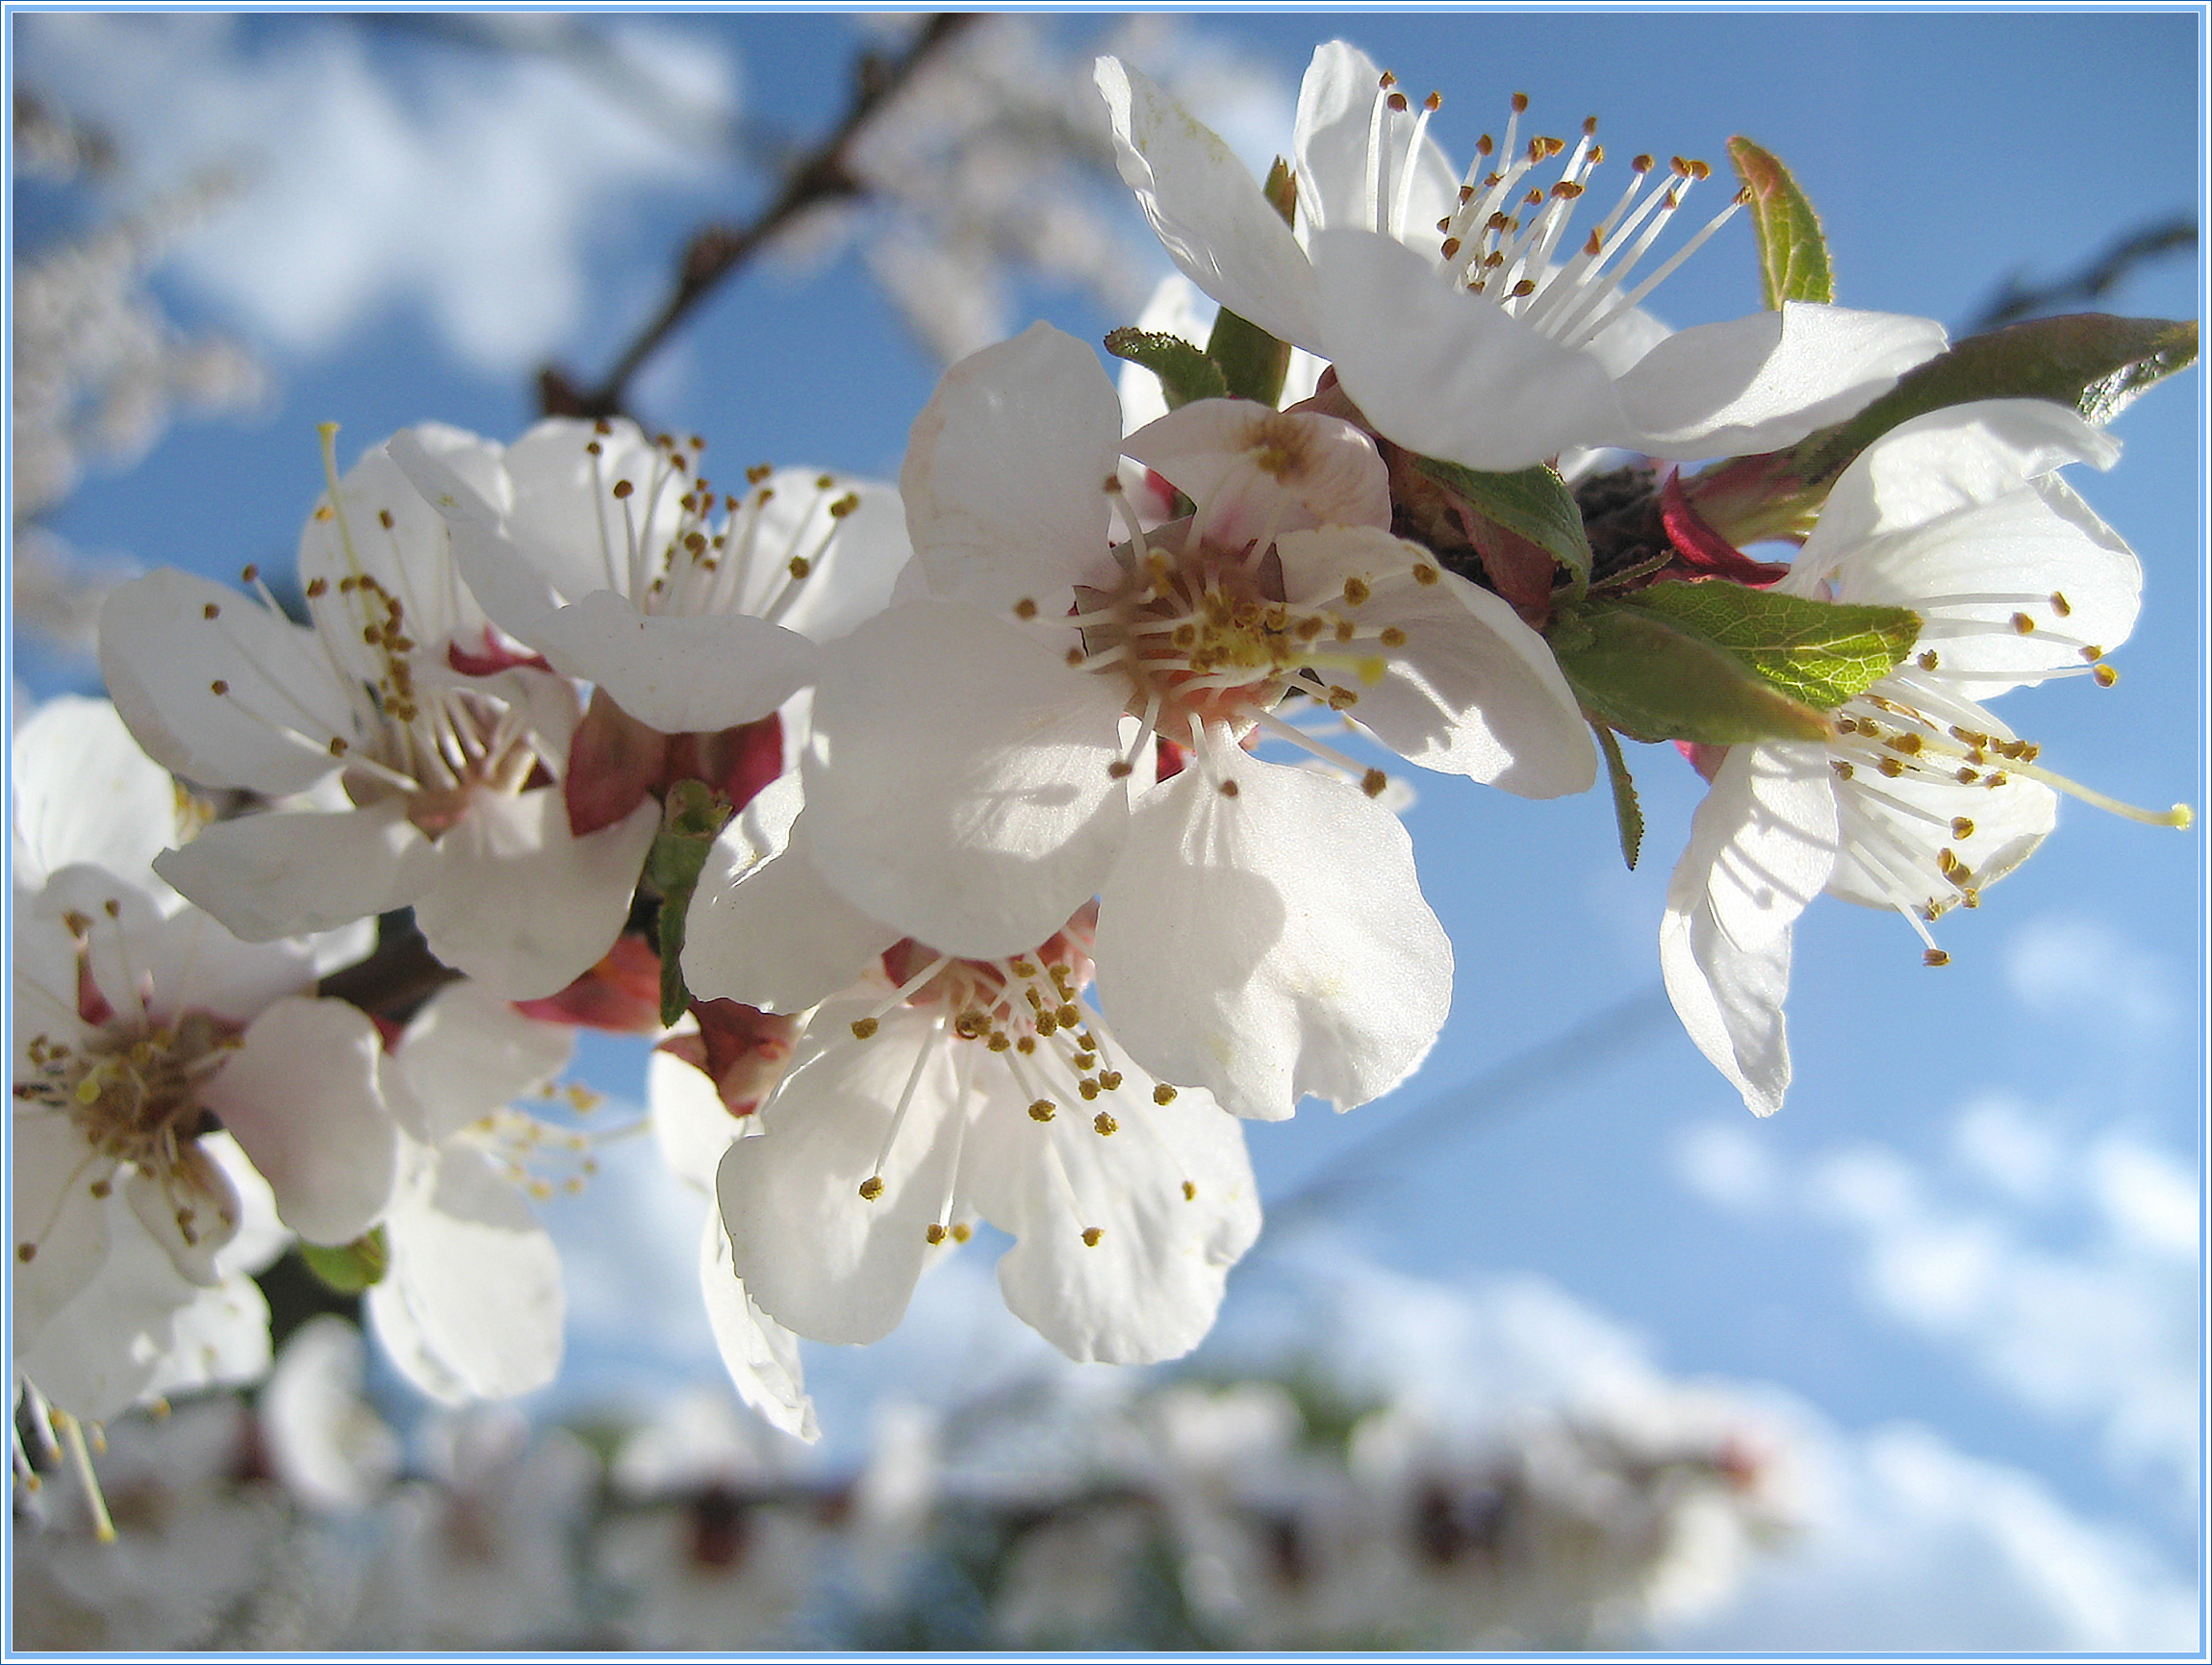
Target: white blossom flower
column 426, row 779
column 975, row 773
column 614, row 556
column 472, row 1304
column 1921, row 798
column 694, row 1125
column 1462, row 317
column 929, row 1089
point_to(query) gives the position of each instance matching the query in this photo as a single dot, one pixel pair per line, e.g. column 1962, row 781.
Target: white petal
column 1273, row 943
column 678, row 674
column 1473, row 691
column 1766, row 837
column 761, row 1355
column 1332, row 141
column 1169, row 1192
column 852, row 575
column 1004, row 472
column 218, row 1339
column 1449, row 374
column 1729, row 998
column 191, row 1211
column 1762, row 845
column 1766, row 381
column 958, row 789
column 286, row 872
column 692, row 1126
column 162, row 654
column 467, row 1053
column 384, row 529
column 194, row 965
column 55, row 1213
column 300, row 1098
column 84, row 792
column 524, row 905
column 478, row 1275
column 1255, row 473
column 104, row 1350
column 774, row 934
column 1207, row 210
column 814, row 1253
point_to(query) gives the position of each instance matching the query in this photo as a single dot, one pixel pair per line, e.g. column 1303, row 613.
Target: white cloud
column 1911, row 1546
column 2064, row 1270
column 2088, row 975
column 473, row 190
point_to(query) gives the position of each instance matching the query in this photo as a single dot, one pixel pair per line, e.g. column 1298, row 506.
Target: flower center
column 1205, row 638
column 1025, row 1013
column 133, row 1091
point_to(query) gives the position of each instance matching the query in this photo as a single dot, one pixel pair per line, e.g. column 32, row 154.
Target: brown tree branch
column 821, row 176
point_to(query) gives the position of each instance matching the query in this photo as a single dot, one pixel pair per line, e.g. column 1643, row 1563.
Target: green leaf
column 1818, row 652
column 1792, row 254
column 1532, row 503
column 350, row 1268
column 2093, row 362
column 1253, row 363
column 1640, row 672
column 1184, row 372
column 694, row 814
column 1626, row 810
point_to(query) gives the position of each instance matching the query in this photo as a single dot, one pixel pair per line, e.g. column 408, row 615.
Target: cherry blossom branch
column 715, row 251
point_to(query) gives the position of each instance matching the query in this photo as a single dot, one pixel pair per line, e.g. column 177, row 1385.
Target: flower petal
column 815, row 1254
column 477, row 1274
column 761, row 1355
column 1473, row 691
column 168, row 639
column 467, row 1053
column 1169, row 1194
column 1272, row 944
column 287, row 873
column 1006, row 469
column 678, row 674
column 958, row 788
column 1255, row 473
column 524, row 905
column 1450, row 374
column 55, row 1216
column 1759, row 382
column 300, row 1098
column 1207, row 210
column 774, row 933
column 1335, row 140
column 84, row 792
column 1729, row 998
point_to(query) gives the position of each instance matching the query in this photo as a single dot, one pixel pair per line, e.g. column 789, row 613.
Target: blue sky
column 1975, row 1215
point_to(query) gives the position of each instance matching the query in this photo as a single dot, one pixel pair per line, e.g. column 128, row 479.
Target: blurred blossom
column 995, row 168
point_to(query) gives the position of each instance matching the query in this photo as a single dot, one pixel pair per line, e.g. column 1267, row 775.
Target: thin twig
column 2015, row 300
column 1597, row 1040
column 821, row 176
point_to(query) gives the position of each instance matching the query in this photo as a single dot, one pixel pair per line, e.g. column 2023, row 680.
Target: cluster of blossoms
column 965, row 843
column 1044, row 1512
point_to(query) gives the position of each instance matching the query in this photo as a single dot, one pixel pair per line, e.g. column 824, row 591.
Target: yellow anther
column 1935, row 958
column 1042, row 1110
column 863, row 1027
column 1091, row 1236
column 872, row 1187
column 936, row 1233
column 1163, row 1094
column 1189, row 1192
column 1962, row 827
column 1105, row 1124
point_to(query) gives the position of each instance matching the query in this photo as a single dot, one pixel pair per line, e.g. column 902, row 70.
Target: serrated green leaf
column 1253, row 363
column 1793, row 253
column 1626, row 810
column 350, row 1268
column 689, row 820
column 1184, row 372
column 1637, row 670
column 2091, row 362
column 1532, row 503
column 1818, row 652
